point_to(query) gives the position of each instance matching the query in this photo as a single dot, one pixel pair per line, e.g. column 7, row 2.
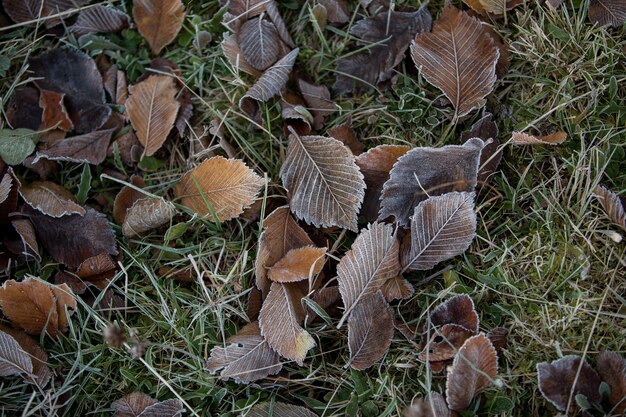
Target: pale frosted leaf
column 219, row 187
column 246, row 358
column 259, row 42
column 232, row 51
column 41, row 372
column 27, row 245
column 100, row 19
column 51, row 199
column 607, row 12
column 474, row 368
column 13, row 359
column 427, row 172
column 158, row 21
column 457, row 310
column 433, row 405
column 90, row 147
column 272, row 12
column 132, row 405
column 519, row 138
column 442, row 228
column 612, row 369
column 370, row 330
column 152, row 108
column 372, row 260
column 336, row 10
column 168, row 408
column 5, row 187
column 397, row 288
column 459, row 58
column 147, row 214
column 318, row 102
column 126, row 197
column 324, row 183
column 279, row 410
column 612, row 204
column 280, row 322
column 298, row 264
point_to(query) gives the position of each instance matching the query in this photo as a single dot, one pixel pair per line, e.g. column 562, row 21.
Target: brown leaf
column 346, row 135
column 295, row 115
column 324, row 183
column 27, row 246
column 75, row 74
column 129, row 148
column 126, row 198
column 270, row 84
column 457, row 310
column 54, row 113
column 445, row 342
column 318, row 101
column 607, row 12
column 272, row 12
column 73, row 238
column 474, row 367
column 259, row 42
column 280, row 322
column 13, row 359
column 433, row 405
column 327, row 298
column 281, row 233
column 556, row 138
column 38, row 358
column 23, row 110
column 138, row 404
column 152, row 108
column 375, row 165
column 336, row 10
column 9, row 193
column 22, row 11
column 246, row 358
column 232, row 51
column 298, row 264
column 391, row 32
column 247, row 9
column 97, row 270
column 147, row 214
column 185, row 111
column 158, row 21
column 90, row 148
column 100, row 19
column 427, row 172
column 37, row 307
column 556, row 380
column 370, row 330
column 371, row 261
column 495, row 8
column 219, row 188
column 272, row 409
column 397, row 288
column 504, row 62
column 612, row 369
column 459, row 58
column 490, row 157
column 51, row 199
column 499, row 337
column 612, row 204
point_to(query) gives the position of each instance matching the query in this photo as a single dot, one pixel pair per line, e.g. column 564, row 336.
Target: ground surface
column 542, row 265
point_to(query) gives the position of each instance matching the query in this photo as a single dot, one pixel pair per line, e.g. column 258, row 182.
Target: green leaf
column 176, row 231
column 582, row 402
column 85, row 184
column 16, row 145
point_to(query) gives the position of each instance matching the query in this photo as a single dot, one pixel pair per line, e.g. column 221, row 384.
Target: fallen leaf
column 54, row 114
column 37, row 307
column 295, row 115
column 318, row 102
column 320, row 15
column 31, row 11
column 474, row 368
column 444, row 343
column 612, row 204
column 27, row 245
column 138, row 404
column 493, row 7
column 23, row 109
column 75, row 74
column 346, row 135
column 370, row 330
column 9, row 192
column 247, row 9
column 259, row 42
column 219, row 188
column 504, row 61
column 16, row 145
column 73, row 238
column 152, row 108
column 556, row 138
column 281, row 233
column 499, row 338
column 336, row 10
column 324, row 183
column 427, row 172
column 375, row 166
column 612, row 370
column 185, row 111
column 147, row 214
column 457, row 310
column 97, row 270
column 90, row 148
column 390, row 32
column 126, row 198
column 158, row 21
column 234, row 54
column 41, row 374
column 397, row 288
column 459, row 58
column 270, row 84
column 556, row 380
column 13, row 359
column 128, row 147
column 100, row 19
column 326, row 298
column 280, row 322
column 51, row 199
column 433, row 405
column 272, row 12
column 279, row 410
column 246, row 358
column 298, row 264
column 607, row 12
column 490, row 156
column 371, row 261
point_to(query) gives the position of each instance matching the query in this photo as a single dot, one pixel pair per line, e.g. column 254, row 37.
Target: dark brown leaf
column 457, row 310
column 22, row 11
column 336, row 10
column 50, row 199
column 486, row 130
column 433, row 405
column 23, row 110
column 138, row 404
column 499, row 337
column 27, row 245
column 90, row 148
column 260, row 43
column 607, row 12
column 40, row 371
column 445, row 342
column 612, row 369
column 346, row 135
column 126, row 198
column 100, row 19
column 397, row 288
column 318, row 102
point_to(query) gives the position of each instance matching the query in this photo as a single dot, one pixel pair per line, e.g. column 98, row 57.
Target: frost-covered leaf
column 13, row 359
column 486, row 130
column 16, row 145
column 459, row 58
column 234, row 54
column 147, row 214
column 259, row 42
column 51, row 199
column 138, row 404
column 433, row 405
column 40, row 374
column 444, row 342
column 158, row 21
column 612, row 204
column 607, row 12
column 90, row 147
column 519, row 138
column 397, row 288
column 298, row 264
column 324, row 183
column 100, row 19
column 318, row 102
column 336, row 10
column 493, row 7
column 612, row 370
column 457, row 310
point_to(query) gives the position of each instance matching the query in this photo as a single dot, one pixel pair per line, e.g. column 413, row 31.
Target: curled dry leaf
column 298, row 264
column 397, row 288
column 490, row 156
column 9, row 193
column 433, row 405
column 100, row 19
column 97, row 270
column 612, row 369
column 260, row 43
column 75, row 74
column 426, row 172
column 126, row 198
column 246, row 358
column 147, row 214
column 158, row 21
column 219, row 188
column 36, row 306
column 371, row 261
column 138, row 404
column 270, row 84
column 90, row 147
column 318, row 102
column 51, row 199
column 40, row 374
column 54, row 114
column 375, row 165
column 279, row 410
column 152, row 108
column 280, row 322
column 390, row 32
column 607, row 12
column 346, row 135
column 474, row 368
column 459, row 58
column 556, row 380
column 457, row 310
column 370, row 330
column 445, row 342
column 281, row 234
column 520, row 138
column 612, row 204
column 324, row 183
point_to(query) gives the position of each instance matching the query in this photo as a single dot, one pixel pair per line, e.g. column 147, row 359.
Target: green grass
column 543, row 265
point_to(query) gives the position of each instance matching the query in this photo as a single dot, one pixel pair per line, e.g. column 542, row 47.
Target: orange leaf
column 298, row 264
column 158, row 21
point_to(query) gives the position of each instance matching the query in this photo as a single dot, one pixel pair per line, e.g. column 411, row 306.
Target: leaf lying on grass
column 607, row 12
column 100, row 19
column 27, row 358
column 298, row 264
column 138, row 404
column 51, row 199
column 520, row 138
column 158, row 21
column 612, row 204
